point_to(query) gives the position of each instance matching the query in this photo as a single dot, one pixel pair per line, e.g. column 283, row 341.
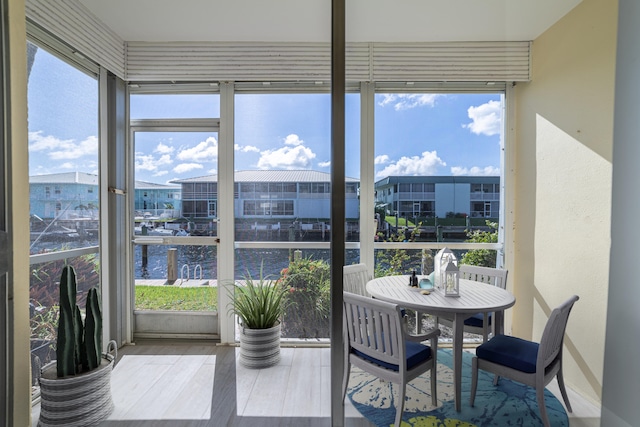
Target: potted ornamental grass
column 75, row 389
column 259, row 304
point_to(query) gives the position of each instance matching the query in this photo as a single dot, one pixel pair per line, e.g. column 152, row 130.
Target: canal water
column 201, row 261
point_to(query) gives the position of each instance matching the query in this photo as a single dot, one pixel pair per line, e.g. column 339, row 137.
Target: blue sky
column 416, row 134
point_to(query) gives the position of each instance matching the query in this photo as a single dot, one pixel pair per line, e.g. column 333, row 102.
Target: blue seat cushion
column 416, row 353
column 476, row 320
column 510, row 351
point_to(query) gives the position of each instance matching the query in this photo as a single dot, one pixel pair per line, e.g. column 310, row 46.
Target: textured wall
column 563, row 186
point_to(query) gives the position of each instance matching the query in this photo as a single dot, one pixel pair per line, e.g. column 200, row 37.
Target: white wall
column 452, row 198
column 563, row 166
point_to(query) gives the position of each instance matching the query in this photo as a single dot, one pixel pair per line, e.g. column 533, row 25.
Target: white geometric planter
column 78, row 400
column 259, row 348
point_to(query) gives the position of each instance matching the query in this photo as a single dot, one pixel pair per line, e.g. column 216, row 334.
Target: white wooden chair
column 378, row 342
column 525, row 361
column 355, row 278
column 480, row 323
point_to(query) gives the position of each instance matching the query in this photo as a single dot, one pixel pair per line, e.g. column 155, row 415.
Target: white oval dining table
column 474, row 297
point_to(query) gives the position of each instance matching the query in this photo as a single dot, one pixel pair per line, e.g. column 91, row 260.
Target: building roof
column 270, row 176
column 144, row 185
column 90, row 179
column 65, row 178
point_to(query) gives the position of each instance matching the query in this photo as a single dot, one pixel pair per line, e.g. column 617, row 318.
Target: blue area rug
column 507, row 404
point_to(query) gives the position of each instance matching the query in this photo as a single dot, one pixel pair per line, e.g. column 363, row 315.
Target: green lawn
column 202, row 298
column 402, row 222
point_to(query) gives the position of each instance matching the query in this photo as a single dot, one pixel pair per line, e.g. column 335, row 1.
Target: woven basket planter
column 78, row 400
column 260, row 348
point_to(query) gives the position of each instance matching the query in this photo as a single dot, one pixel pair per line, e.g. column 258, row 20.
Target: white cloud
column 405, row 101
column 160, row 173
column 148, row 162
column 485, row 119
column 145, row 163
column 293, row 139
column 426, row 164
column 187, row 167
column 164, row 149
column 205, row 151
column 325, row 164
column 246, row 148
column 63, row 149
column 295, row 155
column 475, row 171
column 381, row 160
column 165, row 159
column 67, row 165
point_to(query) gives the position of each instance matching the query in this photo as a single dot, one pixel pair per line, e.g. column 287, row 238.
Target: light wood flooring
column 184, row 384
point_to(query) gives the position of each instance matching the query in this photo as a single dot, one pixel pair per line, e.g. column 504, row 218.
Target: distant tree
column 482, row 257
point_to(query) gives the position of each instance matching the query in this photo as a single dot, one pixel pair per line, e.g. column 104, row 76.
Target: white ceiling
column 310, row 20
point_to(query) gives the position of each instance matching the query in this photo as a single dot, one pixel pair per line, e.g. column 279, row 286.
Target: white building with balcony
column 269, row 194
column 439, row 196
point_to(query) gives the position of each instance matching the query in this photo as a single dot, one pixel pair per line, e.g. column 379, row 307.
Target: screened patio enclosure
column 168, row 127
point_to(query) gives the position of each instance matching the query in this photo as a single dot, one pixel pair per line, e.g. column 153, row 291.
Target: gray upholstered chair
column 355, row 278
column 480, row 323
column 525, row 361
column 378, row 343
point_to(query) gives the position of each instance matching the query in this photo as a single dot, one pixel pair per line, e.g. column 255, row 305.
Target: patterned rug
column 507, row 404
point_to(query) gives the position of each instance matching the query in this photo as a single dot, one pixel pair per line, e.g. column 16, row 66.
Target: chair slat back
column 553, row 334
column 492, row 276
column 374, row 328
column 355, row 278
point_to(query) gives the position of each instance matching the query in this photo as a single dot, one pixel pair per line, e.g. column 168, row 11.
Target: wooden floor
column 195, row 384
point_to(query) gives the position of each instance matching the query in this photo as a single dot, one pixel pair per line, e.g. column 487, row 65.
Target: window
column 262, row 190
column 63, row 110
column 262, row 208
column 320, row 188
column 63, row 159
column 304, row 188
column 247, row 189
column 439, row 153
column 289, row 147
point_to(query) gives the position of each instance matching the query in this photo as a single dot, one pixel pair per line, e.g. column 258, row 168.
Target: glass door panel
column 283, row 200
column 175, row 229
